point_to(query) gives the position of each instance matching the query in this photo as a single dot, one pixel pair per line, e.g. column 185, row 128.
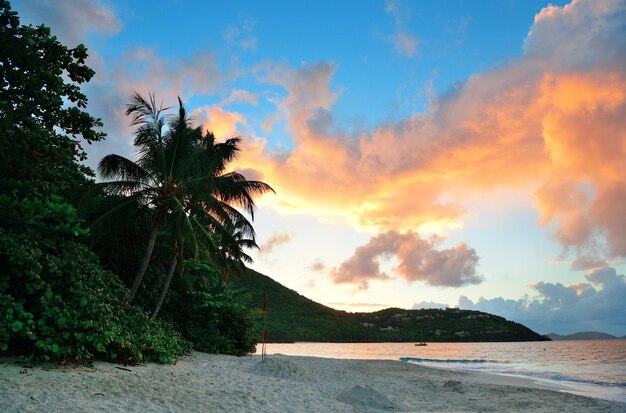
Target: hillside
column 583, row 335
column 293, row 317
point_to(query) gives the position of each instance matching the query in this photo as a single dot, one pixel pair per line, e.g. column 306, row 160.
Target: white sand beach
column 216, row 383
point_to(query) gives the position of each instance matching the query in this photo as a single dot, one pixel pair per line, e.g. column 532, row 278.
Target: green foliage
column 56, row 302
column 59, row 304
column 217, row 324
column 202, row 307
column 292, row 317
column 41, row 116
column 206, row 312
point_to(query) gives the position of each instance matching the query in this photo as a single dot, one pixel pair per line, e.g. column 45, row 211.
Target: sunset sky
column 424, row 154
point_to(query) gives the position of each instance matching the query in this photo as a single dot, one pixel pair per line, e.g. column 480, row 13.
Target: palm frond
column 117, row 166
column 142, row 111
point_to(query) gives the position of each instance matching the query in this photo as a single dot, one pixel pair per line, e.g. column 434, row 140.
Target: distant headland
column 584, row 335
column 292, row 317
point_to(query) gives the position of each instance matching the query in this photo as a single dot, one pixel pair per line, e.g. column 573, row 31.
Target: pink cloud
column 418, row 260
column 241, row 96
column 71, row 21
column 275, row 240
column 317, row 265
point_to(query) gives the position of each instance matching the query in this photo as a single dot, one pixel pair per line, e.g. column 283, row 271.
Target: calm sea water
column 592, row 368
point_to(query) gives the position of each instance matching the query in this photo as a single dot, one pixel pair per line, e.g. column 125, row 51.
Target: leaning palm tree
column 182, row 174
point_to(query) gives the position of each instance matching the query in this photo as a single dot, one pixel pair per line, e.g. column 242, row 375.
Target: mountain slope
column 293, row 317
column 583, row 335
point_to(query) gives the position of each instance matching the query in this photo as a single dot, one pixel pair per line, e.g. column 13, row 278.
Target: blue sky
column 424, row 153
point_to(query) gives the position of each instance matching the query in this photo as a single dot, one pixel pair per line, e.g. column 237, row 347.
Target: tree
column 41, row 116
column 182, row 174
column 55, row 299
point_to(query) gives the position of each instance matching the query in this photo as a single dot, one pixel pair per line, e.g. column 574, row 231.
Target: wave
column 561, row 377
column 499, row 368
column 423, row 360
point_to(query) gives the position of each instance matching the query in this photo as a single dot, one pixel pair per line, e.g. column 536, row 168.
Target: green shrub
column 206, row 312
column 216, row 324
column 57, row 303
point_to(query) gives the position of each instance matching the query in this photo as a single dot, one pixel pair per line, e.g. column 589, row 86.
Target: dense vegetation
column 292, row 317
column 65, row 271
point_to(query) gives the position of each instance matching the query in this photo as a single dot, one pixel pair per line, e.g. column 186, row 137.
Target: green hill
column 293, row 317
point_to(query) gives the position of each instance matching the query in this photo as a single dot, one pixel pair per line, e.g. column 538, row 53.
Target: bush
column 206, row 312
column 216, row 324
column 57, row 303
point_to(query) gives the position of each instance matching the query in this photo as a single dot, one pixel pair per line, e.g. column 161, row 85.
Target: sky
column 465, row 154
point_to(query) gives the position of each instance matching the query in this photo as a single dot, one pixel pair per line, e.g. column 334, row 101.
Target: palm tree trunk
column 144, row 262
column 166, row 286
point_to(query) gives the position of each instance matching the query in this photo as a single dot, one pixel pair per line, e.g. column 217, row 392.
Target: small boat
column 421, row 343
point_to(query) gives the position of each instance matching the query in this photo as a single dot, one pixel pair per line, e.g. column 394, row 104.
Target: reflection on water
column 595, row 368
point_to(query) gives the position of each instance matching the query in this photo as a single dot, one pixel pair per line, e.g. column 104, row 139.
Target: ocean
column 594, row 368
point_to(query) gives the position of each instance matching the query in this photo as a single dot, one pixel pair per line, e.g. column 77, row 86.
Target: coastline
column 207, row 382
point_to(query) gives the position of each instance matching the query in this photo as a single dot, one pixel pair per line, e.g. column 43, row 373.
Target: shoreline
column 207, row 382
column 591, row 390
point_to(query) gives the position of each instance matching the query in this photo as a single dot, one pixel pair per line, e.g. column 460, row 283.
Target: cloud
column 241, row 96
column 251, row 174
column 578, row 34
column 317, row 266
column 222, row 123
column 551, row 122
column 418, row 260
column 71, row 20
column 275, row 240
column 145, row 71
column 309, row 93
column 598, row 305
column 587, row 263
column 404, row 43
column 356, row 304
column 242, row 35
column 424, row 305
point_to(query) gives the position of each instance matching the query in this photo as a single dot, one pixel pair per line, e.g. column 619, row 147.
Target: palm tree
column 182, row 174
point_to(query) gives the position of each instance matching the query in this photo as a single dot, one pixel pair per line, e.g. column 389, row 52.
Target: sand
column 217, row 383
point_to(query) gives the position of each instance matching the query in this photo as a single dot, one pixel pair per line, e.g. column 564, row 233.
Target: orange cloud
column 405, row 175
column 222, row 123
column 555, row 126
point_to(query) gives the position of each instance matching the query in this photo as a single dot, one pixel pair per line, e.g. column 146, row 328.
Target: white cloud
column 242, row 35
column 404, row 43
column 241, row 96
column 424, row 305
